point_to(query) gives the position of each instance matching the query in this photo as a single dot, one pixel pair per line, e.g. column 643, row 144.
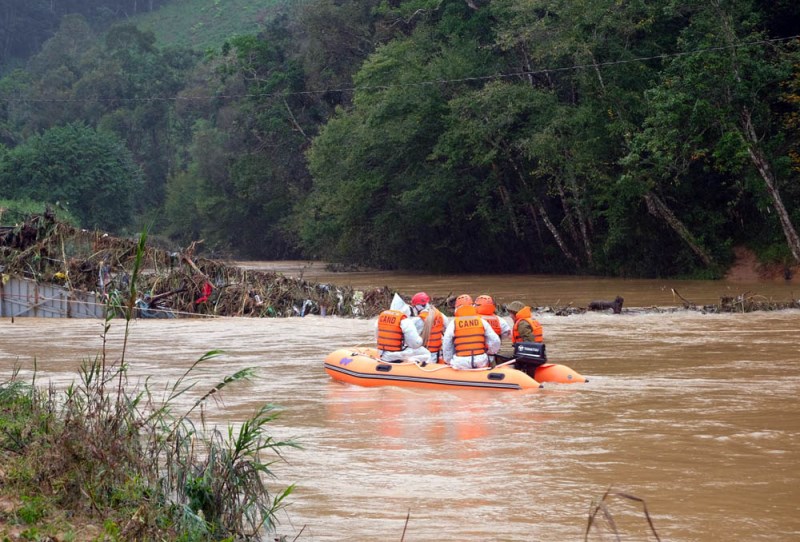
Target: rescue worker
column 526, row 328
column 397, row 336
column 430, row 324
column 485, row 306
column 468, row 339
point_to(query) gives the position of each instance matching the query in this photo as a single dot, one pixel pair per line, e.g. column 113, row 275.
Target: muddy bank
column 184, row 284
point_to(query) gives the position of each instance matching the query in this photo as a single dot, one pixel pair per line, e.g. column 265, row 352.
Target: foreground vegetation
column 106, row 460
column 625, row 138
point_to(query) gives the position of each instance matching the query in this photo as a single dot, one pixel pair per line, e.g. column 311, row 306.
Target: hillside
column 202, row 24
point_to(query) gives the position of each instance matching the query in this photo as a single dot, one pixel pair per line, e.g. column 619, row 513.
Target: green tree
column 713, row 129
column 380, row 196
column 89, row 172
column 261, row 126
column 122, row 83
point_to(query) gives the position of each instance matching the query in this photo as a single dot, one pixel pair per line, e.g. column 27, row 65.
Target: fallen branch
column 686, row 303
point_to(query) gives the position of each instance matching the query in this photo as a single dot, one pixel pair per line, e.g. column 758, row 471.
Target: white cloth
column 505, row 329
column 417, row 355
column 469, row 362
column 419, row 323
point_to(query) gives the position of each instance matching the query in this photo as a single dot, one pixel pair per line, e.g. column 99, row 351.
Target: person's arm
column 492, row 340
column 505, row 329
column 526, row 332
column 411, row 336
column 447, row 343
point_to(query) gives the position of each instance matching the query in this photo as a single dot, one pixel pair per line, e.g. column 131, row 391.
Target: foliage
column 88, row 172
column 16, row 211
column 627, row 138
column 245, row 170
column 711, row 128
column 207, row 24
column 29, row 23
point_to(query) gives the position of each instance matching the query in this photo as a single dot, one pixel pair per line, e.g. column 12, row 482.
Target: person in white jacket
column 430, row 323
column 397, row 335
column 469, row 340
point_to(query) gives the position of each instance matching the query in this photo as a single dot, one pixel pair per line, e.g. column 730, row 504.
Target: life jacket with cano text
column 469, row 334
column 390, row 334
column 494, row 321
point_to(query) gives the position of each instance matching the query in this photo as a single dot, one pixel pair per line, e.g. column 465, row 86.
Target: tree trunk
column 753, row 148
column 569, row 219
column 657, row 208
column 764, row 169
column 575, row 213
column 505, row 197
column 539, row 208
column 545, row 218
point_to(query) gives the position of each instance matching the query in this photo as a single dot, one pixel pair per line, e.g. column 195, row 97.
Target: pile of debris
column 178, row 283
column 46, row 250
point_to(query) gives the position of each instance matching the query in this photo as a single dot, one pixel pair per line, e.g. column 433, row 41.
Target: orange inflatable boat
column 362, row 366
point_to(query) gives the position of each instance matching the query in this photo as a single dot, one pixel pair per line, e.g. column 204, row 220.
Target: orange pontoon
column 362, row 366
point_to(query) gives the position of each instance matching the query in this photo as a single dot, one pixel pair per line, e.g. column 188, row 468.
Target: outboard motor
column 529, row 356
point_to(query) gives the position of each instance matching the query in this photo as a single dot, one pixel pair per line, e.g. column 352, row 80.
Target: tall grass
column 126, row 458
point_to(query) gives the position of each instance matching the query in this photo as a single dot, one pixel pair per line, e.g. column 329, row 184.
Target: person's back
column 526, row 328
column 485, row 306
column 469, row 339
column 430, row 323
column 390, row 333
column 397, row 336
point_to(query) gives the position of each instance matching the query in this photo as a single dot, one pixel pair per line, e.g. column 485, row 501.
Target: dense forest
column 626, row 138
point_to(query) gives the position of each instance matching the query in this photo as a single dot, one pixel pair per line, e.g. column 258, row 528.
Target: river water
column 696, row 414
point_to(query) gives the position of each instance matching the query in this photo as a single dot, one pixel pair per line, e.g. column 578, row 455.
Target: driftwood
column 686, row 303
column 45, row 250
column 600, row 305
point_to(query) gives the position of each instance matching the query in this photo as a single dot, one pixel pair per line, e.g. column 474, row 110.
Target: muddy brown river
column 696, row 414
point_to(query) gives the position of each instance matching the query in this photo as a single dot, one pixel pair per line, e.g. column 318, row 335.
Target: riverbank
column 181, row 284
column 747, row 268
column 169, row 283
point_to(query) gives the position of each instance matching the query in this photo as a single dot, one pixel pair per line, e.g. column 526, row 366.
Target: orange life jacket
column 469, row 334
column 494, row 321
column 524, row 315
column 434, row 344
column 390, row 334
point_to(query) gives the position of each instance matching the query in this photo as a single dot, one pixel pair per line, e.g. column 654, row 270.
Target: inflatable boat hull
column 362, row 366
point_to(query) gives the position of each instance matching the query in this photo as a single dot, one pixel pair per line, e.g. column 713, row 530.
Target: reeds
column 601, row 520
column 123, row 457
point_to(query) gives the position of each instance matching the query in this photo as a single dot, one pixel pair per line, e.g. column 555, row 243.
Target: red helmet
column 464, row 299
column 485, row 304
column 420, row 298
